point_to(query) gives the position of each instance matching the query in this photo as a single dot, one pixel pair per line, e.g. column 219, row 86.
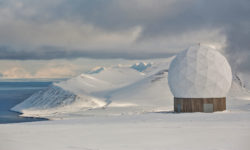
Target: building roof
column 200, row 72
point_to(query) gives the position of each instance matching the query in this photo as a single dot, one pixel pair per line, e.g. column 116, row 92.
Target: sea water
column 12, row 93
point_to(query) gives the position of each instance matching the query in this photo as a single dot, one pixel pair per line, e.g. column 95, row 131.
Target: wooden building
column 199, row 104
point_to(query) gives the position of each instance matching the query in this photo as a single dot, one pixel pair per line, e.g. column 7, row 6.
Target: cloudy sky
column 58, row 38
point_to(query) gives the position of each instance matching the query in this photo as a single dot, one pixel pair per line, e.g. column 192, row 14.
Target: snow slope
column 142, row 87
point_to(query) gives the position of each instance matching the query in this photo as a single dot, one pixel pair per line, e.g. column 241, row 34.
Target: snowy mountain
column 114, row 90
column 238, row 90
column 141, row 66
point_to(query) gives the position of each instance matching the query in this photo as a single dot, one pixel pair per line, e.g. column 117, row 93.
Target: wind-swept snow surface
column 150, row 131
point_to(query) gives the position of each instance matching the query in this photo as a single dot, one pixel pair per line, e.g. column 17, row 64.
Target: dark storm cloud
column 238, row 47
column 170, row 18
column 158, row 18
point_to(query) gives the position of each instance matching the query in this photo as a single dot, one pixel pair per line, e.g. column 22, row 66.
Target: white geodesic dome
column 199, row 72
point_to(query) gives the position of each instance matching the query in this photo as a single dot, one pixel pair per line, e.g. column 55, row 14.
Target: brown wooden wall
column 197, row 104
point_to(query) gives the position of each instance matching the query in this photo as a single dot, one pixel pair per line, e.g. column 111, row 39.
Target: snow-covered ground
column 150, row 131
column 126, row 107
